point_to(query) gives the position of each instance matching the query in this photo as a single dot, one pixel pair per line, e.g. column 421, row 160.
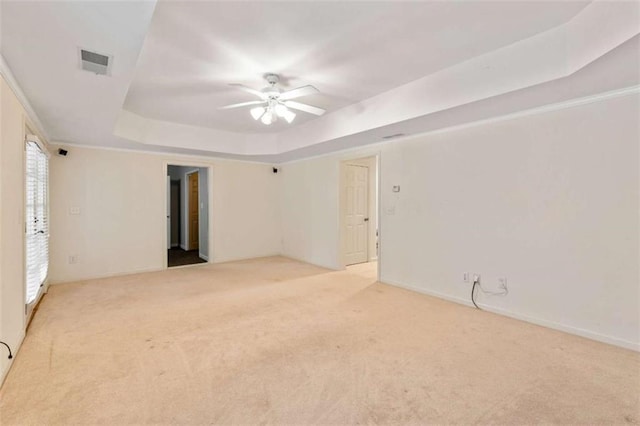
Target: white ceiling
column 380, row 66
column 40, row 41
column 350, row 51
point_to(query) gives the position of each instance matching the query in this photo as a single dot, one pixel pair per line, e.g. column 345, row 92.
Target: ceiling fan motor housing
column 272, row 79
column 272, row 91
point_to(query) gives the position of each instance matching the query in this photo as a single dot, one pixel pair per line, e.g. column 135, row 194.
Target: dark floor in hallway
column 180, row 257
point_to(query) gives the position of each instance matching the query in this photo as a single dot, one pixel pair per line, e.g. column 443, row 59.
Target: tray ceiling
column 381, row 67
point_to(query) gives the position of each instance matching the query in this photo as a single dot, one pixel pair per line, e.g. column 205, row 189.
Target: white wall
column 122, row 225
column 549, row 201
column 12, row 299
column 246, row 214
column 310, row 218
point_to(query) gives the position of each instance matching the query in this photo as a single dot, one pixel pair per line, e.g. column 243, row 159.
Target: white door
column 168, row 212
column 356, row 211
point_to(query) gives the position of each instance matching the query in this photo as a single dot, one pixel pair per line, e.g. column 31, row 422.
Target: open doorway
column 187, row 215
column 359, row 213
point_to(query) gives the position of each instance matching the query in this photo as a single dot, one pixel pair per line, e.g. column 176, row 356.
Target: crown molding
column 33, row 118
column 162, row 153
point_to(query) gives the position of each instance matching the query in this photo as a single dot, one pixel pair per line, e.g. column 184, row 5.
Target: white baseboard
column 238, row 259
column 175, row 245
column 537, row 321
column 111, row 275
column 183, row 247
column 14, row 352
column 322, row 265
column 202, row 256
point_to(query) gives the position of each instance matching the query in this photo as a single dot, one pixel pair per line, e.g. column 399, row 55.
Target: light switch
column 74, row 210
column 396, row 188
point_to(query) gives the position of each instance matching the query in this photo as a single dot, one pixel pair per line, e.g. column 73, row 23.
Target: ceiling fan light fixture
column 281, row 110
column 268, row 118
column 257, row 112
column 289, row 116
column 276, row 103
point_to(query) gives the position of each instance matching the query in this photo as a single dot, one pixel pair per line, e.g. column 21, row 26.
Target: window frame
column 42, row 183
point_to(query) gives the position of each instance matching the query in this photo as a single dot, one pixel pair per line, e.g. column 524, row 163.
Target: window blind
column 36, row 220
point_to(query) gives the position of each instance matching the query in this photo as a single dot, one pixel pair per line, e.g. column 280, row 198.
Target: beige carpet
column 277, row 341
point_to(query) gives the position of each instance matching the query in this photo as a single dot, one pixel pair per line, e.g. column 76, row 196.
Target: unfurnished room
column 320, row 212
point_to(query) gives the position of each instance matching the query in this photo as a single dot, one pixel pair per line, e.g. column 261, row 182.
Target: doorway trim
column 210, row 170
column 375, row 156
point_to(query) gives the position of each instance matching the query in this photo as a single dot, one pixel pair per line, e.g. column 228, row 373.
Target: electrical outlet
column 476, row 278
column 73, row 259
column 465, row 277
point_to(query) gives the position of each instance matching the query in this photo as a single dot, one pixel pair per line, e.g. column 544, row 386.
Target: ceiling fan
column 274, row 103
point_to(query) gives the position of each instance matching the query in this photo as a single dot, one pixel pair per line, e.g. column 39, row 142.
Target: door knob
column 366, row 219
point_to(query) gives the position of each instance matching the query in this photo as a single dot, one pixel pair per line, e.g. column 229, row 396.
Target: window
column 36, row 219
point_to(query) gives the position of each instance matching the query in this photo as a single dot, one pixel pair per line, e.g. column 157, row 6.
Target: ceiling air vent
column 397, row 135
column 94, row 62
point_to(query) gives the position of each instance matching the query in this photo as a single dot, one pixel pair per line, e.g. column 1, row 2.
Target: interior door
column 194, row 225
column 168, row 212
column 356, row 211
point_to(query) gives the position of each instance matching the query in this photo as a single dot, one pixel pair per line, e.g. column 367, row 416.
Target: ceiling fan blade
column 304, row 107
column 297, row 93
column 249, row 90
column 241, row 104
